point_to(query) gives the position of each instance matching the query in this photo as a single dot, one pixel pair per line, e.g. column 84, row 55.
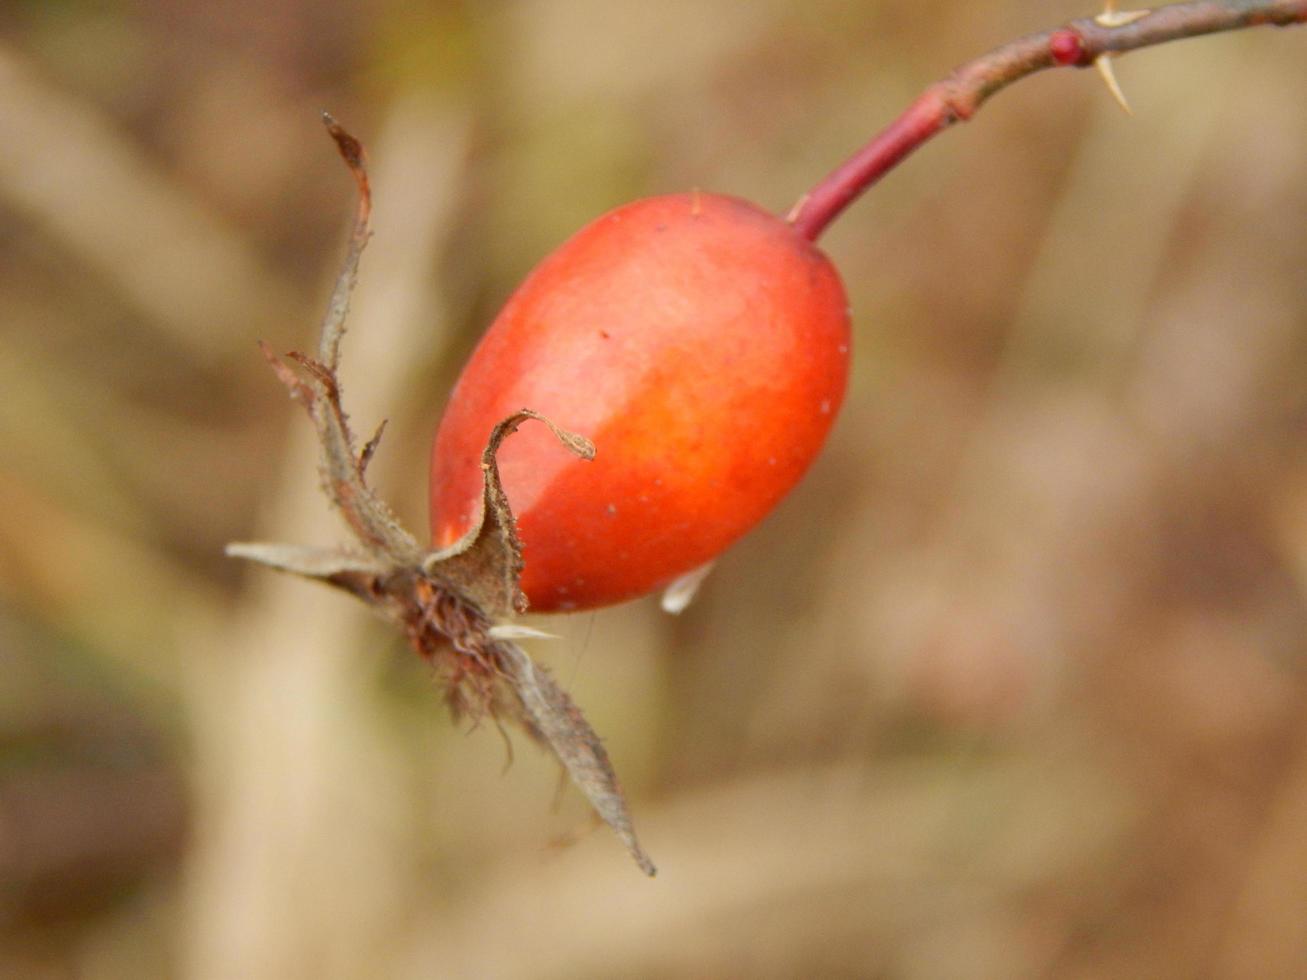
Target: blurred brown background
column 1011, row 687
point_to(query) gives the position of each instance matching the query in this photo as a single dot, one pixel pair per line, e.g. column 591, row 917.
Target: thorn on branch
column 1111, row 17
column 1105, row 71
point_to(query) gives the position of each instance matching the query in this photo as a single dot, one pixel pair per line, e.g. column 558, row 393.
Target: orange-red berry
column 701, row 344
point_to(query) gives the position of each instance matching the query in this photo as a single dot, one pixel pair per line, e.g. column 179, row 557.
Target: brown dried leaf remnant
column 447, row 602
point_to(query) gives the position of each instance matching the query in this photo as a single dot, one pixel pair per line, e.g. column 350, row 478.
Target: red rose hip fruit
column 700, row 343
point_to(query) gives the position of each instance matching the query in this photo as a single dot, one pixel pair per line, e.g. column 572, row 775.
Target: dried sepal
column 447, row 602
column 554, row 719
column 485, row 565
column 305, row 560
column 342, row 469
column 333, row 322
column 360, row 575
column 486, row 676
column 341, row 466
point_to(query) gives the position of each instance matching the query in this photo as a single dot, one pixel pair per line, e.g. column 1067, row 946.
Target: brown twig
column 1078, row 44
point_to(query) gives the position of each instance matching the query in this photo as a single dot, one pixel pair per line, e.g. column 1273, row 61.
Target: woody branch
column 1077, row 44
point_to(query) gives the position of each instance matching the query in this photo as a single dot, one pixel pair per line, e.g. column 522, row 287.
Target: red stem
column 956, row 98
column 925, row 117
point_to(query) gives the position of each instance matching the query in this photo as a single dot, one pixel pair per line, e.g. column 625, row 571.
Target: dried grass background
column 1013, row 685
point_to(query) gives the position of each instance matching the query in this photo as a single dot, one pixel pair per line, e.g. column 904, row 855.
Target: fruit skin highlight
column 700, row 343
